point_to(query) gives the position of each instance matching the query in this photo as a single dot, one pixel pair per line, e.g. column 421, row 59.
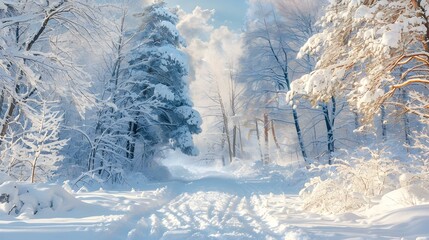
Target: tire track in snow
column 211, row 215
column 216, row 208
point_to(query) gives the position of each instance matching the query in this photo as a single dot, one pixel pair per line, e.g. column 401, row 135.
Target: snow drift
column 25, row 200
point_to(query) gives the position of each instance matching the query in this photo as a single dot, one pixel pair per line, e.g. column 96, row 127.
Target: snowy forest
column 137, row 119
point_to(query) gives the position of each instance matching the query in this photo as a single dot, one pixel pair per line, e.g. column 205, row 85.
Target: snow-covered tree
column 375, row 54
column 108, row 156
column 367, row 51
column 32, row 55
column 37, row 63
column 227, row 111
column 273, row 37
column 43, row 142
column 267, row 71
column 35, row 153
column 157, row 89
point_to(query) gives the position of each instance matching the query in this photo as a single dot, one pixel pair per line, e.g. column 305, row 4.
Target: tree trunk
column 383, row 123
column 33, row 173
column 228, row 138
column 1, row 101
column 34, row 164
column 233, row 111
column 273, row 132
column 222, row 146
column 329, row 131
column 234, row 141
column 299, row 134
column 241, row 139
column 356, row 115
column 91, row 161
column 119, row 58
column 406, row 120
column 266, row 139
column 407, row 130
column 131, row 144
column 226, row 126
column 7, row 119
column 258, row 136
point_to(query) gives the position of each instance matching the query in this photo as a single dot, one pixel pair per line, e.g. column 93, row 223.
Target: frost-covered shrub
column 34, row 153
column 351, row 185
column 26, row 200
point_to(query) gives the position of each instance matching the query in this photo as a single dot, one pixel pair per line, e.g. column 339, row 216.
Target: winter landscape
column 226, row 119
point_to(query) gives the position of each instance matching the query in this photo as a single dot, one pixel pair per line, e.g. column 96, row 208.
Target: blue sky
column 228, row 12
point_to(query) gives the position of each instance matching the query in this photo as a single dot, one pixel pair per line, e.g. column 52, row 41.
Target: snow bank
column 411, row 221
column 403, row 197
column 360, row 184
column 26, row 200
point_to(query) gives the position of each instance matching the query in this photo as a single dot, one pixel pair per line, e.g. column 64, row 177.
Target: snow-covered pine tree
column 158, row 89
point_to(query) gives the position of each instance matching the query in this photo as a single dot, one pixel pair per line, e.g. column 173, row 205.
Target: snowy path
column 218, row 215
column 211, row 208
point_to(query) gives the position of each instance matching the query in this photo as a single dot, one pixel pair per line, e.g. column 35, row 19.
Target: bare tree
column 267, row 82
column 227, row 107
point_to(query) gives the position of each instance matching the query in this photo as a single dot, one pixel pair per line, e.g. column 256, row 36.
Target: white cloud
column 196, row 24
column 212, row 51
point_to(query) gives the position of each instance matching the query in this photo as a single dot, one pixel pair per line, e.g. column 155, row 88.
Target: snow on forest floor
column 216, row 207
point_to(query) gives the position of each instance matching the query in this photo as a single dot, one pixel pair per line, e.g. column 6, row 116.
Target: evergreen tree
column 157, row 87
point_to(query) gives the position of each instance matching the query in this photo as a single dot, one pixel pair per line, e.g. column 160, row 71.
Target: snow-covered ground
column 262, row 205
